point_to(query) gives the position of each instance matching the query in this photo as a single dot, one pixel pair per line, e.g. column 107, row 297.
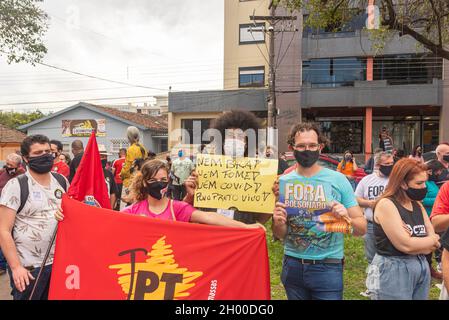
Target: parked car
column 327, row 161
column 432, row 155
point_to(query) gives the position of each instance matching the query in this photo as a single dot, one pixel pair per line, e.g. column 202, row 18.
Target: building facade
column 10, row 141
column 245, row 77
column 337, row 79
column 76, row 122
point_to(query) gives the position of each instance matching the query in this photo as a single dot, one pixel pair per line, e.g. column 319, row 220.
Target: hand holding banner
column 242, row 183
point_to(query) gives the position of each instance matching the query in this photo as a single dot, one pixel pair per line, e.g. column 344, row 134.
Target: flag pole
column 47, row 254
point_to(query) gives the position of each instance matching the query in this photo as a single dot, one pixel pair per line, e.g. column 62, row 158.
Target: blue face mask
column 180, row 154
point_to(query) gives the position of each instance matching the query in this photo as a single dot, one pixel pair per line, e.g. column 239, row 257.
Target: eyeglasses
column 304, row 146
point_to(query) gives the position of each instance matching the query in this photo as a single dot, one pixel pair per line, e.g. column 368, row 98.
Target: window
column 251, row 77
column 252, row 33
column 118, row 144
column 338, row 28
column 155, row 113
column 163, row 145
column 334, row 72
column 189, row 124
column 408, row 69
column 344, row 135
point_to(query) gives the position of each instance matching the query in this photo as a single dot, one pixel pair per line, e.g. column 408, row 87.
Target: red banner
column 106, row 255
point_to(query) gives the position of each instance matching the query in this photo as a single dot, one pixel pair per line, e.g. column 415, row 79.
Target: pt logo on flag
column 159, row 277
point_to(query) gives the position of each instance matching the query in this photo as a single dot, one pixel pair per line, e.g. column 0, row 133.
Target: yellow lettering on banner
column 242, row 183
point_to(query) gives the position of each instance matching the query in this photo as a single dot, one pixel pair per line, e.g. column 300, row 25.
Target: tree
column 427, row 21
column 17, row 119
column 22, row 27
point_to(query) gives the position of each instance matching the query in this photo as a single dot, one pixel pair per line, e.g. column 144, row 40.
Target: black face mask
column 41, row 164
column 155, row 189
column 446, row 157
column 416, row 194
column 306, row 159
column 386, row 170
column 104, row 163
column 10, row 171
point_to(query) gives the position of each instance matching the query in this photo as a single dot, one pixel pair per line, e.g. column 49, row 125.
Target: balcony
column 353, row 44
column 218, row 101
column 373, row 94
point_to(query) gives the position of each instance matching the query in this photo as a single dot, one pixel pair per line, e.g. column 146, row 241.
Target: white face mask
column 234, row 148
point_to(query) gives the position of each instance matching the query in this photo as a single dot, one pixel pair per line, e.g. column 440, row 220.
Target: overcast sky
column 152, row 43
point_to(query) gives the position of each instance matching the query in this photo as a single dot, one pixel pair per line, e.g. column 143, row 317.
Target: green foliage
column 426, row 21
column 17, row 119
column 22, row 27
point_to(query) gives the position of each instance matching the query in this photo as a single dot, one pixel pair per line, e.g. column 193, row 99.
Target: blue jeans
column 370, row 243
column 2, row 261
column 399, row 278
column 322, row 281
column 42, row 288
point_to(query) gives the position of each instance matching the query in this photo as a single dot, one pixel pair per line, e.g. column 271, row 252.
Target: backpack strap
column 24, row 190
column 61, row 180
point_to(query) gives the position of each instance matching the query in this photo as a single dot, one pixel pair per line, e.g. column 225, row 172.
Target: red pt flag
column 89, row 184
column 105, row 255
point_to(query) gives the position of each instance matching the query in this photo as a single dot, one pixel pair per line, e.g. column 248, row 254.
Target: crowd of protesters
column 401, row 208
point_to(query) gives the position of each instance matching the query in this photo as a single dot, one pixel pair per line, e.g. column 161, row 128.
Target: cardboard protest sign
column 314, row 232
column 309, row 203
column 244, row 184
column 106, row 255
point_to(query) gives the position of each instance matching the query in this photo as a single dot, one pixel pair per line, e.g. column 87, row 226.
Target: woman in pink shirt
column 148, row 189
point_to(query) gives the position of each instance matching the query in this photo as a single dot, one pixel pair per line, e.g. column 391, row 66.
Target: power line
column 99, row 78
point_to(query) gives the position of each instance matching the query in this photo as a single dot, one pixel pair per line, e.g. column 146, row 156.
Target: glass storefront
column 344, row 134
column 408, row 132
column 348, row 133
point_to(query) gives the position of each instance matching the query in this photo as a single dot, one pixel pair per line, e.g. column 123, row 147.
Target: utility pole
column 273, row 20
column 272, row 111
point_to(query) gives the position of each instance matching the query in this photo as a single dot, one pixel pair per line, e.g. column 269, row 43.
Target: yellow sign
column 244, row 184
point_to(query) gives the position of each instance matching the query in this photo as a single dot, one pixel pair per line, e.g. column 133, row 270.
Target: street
column 4, row 287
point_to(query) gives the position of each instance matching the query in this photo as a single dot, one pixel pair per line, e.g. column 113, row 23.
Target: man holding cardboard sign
column 316, row 206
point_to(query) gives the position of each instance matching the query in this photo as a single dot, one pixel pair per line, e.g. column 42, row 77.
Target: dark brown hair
column 304, row 127
column 236, row 119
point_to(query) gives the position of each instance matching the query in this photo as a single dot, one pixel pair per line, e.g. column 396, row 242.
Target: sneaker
column 366, row 294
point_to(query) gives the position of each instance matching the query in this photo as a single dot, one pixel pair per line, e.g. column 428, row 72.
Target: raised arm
column 216, row 219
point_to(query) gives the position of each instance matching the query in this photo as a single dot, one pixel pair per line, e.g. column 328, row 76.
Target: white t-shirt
column 371, row 187
column 34, row 225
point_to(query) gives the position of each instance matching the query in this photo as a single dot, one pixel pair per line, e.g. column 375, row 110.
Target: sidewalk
column 5, row 289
